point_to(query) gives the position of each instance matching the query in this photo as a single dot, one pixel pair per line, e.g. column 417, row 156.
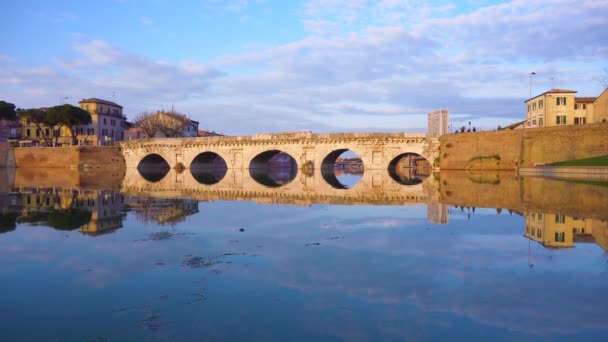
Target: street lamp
column 62, row 100
column 532, row 73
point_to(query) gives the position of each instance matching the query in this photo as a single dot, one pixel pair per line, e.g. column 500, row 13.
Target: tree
column 172, row 124
column 7, row 111
column 70, row 117
column 38, row 117
column 147, row 121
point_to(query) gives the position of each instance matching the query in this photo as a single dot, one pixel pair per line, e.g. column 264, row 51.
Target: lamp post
column 62, row 100
column 529, row 98
column 532, row 73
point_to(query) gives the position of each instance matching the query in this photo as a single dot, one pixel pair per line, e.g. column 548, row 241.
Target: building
column 563, row 231
column 561, row 107
column 438, row 122
column 107, row 126
column 9, row 129
column 207, row 133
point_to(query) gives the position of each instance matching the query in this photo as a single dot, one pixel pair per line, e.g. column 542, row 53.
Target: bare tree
column 172, row 124
column 147, row 121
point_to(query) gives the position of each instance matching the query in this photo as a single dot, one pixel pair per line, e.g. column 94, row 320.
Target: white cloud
column 366, row 65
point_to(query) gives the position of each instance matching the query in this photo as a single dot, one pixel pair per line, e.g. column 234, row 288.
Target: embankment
column 514, row 149
column 74, row 157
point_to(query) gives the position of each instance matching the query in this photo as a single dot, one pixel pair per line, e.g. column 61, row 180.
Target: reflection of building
column 560, row 231
column 561, row 107
column 438, row 122
column 163, row 211
column 92, row 211
column 437, row 213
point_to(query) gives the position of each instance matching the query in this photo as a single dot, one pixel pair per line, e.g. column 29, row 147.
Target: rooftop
column 585, row 99
column 553, row 91
column 96, row 100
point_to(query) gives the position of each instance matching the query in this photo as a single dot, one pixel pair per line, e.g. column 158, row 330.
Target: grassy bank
column 595, row 161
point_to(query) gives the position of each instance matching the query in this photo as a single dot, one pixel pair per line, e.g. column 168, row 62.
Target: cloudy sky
column 247, row 66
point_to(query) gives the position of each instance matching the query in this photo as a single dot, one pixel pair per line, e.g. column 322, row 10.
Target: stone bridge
column 376, row 150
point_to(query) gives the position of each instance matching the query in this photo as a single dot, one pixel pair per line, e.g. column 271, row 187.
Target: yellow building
column 561, row 107
column 562, row 231
column 107, row 126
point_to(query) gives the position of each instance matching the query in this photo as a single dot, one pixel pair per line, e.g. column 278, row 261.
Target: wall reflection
column 558, row 214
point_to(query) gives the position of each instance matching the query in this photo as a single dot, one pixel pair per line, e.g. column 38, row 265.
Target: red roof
column 585, row 99
column 553, row 91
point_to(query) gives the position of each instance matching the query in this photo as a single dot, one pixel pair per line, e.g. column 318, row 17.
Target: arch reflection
column 409, row 169
column 208, row 168
column 342, row 169
column 153, row 167
column 273, row 168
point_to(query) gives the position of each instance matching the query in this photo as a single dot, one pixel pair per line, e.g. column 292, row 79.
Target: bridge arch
column 330, row 168
column 153, row 167
column 409, row 168
column 273, row 168
column 208, row 168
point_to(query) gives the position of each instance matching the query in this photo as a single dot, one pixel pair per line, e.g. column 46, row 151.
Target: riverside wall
column 74, row 157
column 514, row 149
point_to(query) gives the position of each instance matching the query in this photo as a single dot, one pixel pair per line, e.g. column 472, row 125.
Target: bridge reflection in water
column 557, row 214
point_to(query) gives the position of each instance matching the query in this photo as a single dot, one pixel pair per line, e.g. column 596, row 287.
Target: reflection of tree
column 8, row 222
column 163, row 211
column 63, row 219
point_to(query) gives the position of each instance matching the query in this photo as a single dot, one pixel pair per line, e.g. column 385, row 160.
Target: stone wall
column 76, row 157
column 510, row 149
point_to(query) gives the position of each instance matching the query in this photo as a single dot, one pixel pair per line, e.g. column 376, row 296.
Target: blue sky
column 248, row 66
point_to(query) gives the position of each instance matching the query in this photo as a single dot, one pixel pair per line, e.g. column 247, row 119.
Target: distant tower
column 438, row 122
column 437, row 213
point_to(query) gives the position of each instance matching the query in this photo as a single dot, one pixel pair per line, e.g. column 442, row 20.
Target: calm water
column 85, row 258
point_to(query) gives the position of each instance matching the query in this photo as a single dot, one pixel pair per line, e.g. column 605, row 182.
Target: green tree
column 7, row 111
column 38, row 117
column 70, row 117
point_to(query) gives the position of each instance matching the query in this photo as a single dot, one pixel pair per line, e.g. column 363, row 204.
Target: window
column 540, row 216
column 561, row 119
column 79, row 131
column 540, row 104
column 104, row 132
column 28, row 132
column 104, row 121
column 560, row 236
column 37, row 132
column 90, row 131
column 56, row 133
column 561, row 100
column 534, row 122
column 46, row 132
column 112, row 122
column 580, row 121
column 528, row 107
column 580, row 106
column 560, row 218
column 540, row 122
column 534, row 106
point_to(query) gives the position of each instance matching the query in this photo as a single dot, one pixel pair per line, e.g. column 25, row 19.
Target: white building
column 438, row 122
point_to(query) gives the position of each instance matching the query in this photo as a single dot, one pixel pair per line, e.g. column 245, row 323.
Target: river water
column 467, row 256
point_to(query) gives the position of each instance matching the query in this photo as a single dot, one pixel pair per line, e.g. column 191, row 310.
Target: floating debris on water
column 164, row 235
column 199, row 262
